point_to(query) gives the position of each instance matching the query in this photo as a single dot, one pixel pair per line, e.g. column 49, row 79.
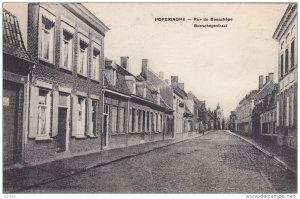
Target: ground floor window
column 81, row 120
column 44, row 112
column 122, row 120
column 114, row 119
column 93, row 122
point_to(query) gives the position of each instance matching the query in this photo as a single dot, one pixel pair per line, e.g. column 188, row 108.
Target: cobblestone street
column 214, row 163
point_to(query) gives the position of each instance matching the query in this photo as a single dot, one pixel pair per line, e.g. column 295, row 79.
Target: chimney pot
column 261, row 81
column 145, row 68
column 267, row 79
column 271, row 76
column 174, row 80
column 124, row 62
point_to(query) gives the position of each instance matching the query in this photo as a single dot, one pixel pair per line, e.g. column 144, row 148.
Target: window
column 156, row 123
column 281, row 66
column 47, row 39
column 82, row 69
column 148, row 123
column 67, row 49
column 292, row 54
column 93, row 122
column 114, row 119
column 95, row 64
column 139, row 120
column 81, row 119
column 286, row 61
column 143, row 122
column 133, row 120
column 292, row 108
column 287, row 105
column 122, row 120
column 106, row 107
column 44, row 113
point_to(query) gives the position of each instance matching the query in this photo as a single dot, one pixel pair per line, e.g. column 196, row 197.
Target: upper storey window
column 67, row 35
column 46, row 36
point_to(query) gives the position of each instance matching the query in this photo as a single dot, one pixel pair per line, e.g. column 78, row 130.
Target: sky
column 219, row 65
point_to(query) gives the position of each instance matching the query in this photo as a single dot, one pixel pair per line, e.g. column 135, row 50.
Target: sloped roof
column 179, row 91
column 155, row 82
column 12, row 37
column 120, row 85
column 266, row 90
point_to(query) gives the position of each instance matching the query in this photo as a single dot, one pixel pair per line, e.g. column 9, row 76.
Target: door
column 11, row 148
column 105, row 131
column 62, row 129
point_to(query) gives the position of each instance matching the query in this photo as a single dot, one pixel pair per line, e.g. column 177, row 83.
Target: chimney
column 267, row 79
column 271, row 76
column 161, row 75
column 181, row 86
column 167, row 81
column 124, row 62
column 261, row 81
column 174, row 80
column 145, row 68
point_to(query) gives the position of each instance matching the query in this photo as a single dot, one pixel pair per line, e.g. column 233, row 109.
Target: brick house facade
column 66, row 42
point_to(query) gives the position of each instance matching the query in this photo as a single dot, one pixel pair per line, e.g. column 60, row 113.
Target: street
column 217, row 162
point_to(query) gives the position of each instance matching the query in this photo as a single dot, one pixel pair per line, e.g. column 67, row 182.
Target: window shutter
column 130, row 120
column 55, row 114
column 33, row 111
column 74, row 115
column 90, row 126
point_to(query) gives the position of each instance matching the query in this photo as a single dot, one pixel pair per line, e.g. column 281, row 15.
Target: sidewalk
column 288, row 158
column 18, row 179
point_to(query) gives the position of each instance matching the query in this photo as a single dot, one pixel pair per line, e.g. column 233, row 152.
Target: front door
column 105, row 130
column 62, row 129
column 11, row 146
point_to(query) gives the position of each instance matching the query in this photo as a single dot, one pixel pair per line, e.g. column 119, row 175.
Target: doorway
column 11, row 123
column 105, row 126
column 62, row 129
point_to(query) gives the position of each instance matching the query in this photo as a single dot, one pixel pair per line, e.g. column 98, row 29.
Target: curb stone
column 265, row 152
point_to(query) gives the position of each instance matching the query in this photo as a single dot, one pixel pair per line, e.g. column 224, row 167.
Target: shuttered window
column 122, row 120
column 114, row 119
column 44, row 113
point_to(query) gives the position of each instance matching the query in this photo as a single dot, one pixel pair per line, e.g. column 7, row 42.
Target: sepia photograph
column 150, row 98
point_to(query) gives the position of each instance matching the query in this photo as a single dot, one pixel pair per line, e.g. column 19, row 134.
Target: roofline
column 89, row 18
column 115, row 92
column 279, row 26
column 158, row 76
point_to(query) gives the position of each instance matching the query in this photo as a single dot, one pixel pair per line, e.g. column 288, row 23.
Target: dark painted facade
column 17, row 65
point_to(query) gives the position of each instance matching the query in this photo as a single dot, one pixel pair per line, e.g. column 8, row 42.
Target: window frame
column 68, row 29
column 82, row 133
column 51, row 18
column 84, row 40
column 95, row 47
column 48, row 117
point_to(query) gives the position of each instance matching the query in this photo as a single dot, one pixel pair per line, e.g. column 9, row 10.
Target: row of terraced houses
column 271, row 110
column 63, row 97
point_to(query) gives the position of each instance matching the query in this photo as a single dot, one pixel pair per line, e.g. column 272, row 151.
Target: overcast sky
column 219, row 65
